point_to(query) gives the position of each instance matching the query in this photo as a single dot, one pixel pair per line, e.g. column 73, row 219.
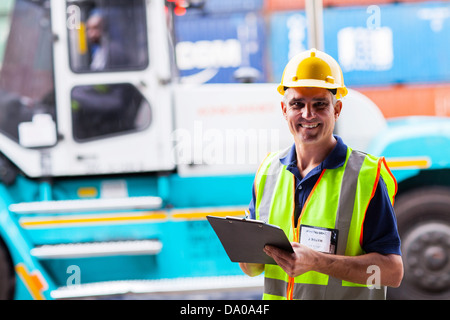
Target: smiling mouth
column 309, row 125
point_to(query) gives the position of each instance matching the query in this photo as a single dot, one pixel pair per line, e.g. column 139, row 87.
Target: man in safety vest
column 335, row 204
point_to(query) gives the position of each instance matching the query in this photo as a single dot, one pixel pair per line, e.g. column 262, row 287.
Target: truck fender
column 413, row 144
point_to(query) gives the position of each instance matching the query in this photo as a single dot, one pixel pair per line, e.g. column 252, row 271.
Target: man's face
column 311, row 114
column 94, row 29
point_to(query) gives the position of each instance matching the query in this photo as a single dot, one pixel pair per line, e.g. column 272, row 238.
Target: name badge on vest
column 319, row 239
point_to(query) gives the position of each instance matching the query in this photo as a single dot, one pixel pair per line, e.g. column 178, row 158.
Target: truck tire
column 423, row 217
column 6, row 274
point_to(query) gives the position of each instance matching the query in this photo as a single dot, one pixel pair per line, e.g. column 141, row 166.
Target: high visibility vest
column 338, row 200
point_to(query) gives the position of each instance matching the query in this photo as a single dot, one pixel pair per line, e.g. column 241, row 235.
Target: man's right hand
column 252, row 269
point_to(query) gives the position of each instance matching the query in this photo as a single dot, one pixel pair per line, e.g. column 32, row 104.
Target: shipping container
column 399, row 43
column 290, row 5
column 283, row 5
column 388, row 44
column 221, row 48
column 227, row 6
column 412, row 100
column 365, row 3
column 288, row 35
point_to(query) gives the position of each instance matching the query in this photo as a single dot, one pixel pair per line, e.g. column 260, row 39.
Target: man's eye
column 320, row 104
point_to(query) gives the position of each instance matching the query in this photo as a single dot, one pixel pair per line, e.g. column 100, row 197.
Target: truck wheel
column 423, row 217
column 6, row 274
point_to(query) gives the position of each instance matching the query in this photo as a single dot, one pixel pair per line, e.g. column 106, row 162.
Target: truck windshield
column 107, row 35
column 26, row 75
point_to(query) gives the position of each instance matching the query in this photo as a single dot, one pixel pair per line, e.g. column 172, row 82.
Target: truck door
column 111, row 73
column 27, row 96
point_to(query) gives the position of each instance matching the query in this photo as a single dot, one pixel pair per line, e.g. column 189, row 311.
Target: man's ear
column 337, row 109
column 283, row 109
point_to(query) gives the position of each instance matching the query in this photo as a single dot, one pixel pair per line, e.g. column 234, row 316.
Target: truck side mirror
column 39, row 132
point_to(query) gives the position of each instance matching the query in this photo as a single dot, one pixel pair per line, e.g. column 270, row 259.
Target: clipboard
column 244, row 239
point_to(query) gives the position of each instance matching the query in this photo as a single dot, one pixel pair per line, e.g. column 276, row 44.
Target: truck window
column 26, row 75
column 99, row 111
column 107, row 35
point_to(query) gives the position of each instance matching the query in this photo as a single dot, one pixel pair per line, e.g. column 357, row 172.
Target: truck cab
column 79, row 112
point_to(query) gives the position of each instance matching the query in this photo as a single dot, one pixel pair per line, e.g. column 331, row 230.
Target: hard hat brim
column 341, row 91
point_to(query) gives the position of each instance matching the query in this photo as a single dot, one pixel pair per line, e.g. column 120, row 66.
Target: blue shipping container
column 288, row 36
column 228, row 6
column 216, row 48
column 375, row 45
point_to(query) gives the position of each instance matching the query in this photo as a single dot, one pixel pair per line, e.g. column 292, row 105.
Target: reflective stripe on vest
column 348, row 190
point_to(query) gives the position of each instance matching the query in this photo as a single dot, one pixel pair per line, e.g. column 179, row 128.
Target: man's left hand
column 296, row 263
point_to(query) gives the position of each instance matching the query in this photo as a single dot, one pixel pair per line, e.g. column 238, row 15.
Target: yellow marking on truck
column 92, row 219
column 33, row 281
column 186, row 215
column 87, row 192
column 409, row 163
column 125, row 218
column 82, row 41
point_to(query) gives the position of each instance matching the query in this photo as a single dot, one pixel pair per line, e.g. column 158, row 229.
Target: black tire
column 7, row 279
column 423, row 217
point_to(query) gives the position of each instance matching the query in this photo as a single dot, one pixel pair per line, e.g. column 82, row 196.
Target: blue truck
column 109, row 164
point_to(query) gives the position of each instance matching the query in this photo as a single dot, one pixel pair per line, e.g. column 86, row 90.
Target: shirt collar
column 334, row 160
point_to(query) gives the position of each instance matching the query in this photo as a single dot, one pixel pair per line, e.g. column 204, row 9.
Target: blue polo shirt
column 380, row 225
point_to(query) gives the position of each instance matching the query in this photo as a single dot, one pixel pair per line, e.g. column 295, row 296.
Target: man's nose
column 308, row 112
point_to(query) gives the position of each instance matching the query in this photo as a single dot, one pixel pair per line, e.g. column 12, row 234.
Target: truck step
column 97, row 249
column 66, row 206
column 162, row 286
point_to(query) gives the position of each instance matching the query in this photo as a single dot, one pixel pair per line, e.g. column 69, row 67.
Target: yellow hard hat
column 313, row 68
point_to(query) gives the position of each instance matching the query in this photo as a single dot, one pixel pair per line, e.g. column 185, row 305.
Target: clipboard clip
column 247, row 217
column 243, row 219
